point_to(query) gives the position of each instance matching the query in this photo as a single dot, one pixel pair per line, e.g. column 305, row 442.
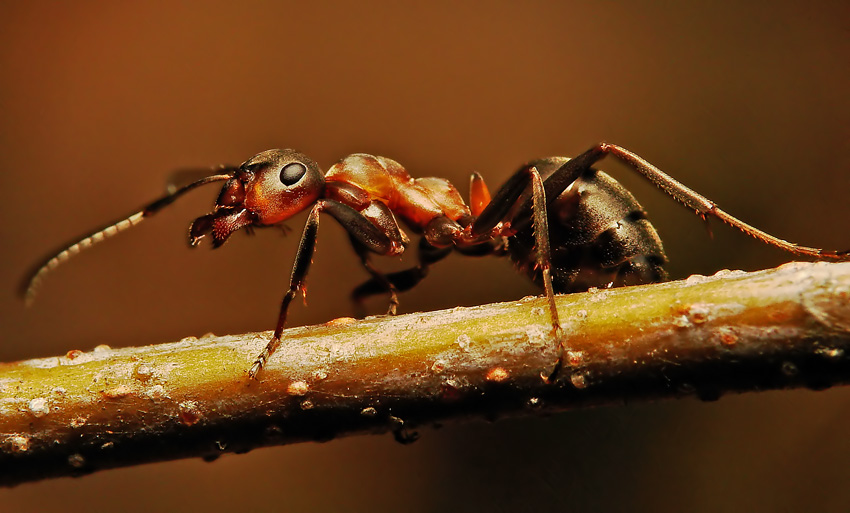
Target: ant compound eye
column 291, row 173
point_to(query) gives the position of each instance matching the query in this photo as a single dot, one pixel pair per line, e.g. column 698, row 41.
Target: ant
column 566, row 225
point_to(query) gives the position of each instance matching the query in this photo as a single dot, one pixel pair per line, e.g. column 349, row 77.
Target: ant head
column 268, row 188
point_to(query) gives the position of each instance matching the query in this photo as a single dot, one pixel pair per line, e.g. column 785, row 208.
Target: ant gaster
column 566, row 225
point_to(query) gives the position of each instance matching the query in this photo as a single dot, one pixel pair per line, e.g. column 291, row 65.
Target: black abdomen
column 599, row 236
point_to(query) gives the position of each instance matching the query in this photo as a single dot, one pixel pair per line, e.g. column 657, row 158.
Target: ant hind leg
column 703, row 206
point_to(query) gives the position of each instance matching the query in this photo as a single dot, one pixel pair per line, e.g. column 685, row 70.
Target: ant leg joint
column 442, row 231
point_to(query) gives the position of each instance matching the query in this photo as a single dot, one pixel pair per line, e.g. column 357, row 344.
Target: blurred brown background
column 747, row 104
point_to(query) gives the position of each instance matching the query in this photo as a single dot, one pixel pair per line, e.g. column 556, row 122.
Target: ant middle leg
column 379, row 284
column 502, row 208
column 399, row 281
column 379, row 214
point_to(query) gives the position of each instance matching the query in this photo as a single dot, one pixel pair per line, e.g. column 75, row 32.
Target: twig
column 735, row 331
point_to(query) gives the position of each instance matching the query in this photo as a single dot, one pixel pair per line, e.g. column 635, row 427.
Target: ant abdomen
column 599, row 236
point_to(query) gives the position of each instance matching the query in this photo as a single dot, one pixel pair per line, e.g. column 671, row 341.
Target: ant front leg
column 359, row 227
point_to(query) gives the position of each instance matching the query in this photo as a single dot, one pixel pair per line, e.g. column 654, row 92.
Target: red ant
column 565, row 224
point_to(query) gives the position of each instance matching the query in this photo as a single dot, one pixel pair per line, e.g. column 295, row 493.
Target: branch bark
column 704, row 336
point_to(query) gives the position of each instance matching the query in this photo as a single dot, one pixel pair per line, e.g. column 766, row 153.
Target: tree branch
column 732, row 332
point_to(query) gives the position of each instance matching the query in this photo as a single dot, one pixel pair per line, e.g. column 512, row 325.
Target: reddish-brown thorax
column 364, row 178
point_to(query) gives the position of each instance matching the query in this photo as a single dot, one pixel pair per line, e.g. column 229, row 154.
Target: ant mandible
column 566, row 225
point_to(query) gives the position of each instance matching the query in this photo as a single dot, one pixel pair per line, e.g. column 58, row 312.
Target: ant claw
column 255, row 371
column 400, row 433
column 552, row 377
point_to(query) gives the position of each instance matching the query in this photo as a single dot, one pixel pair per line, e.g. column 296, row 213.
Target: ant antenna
column 36, row 277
